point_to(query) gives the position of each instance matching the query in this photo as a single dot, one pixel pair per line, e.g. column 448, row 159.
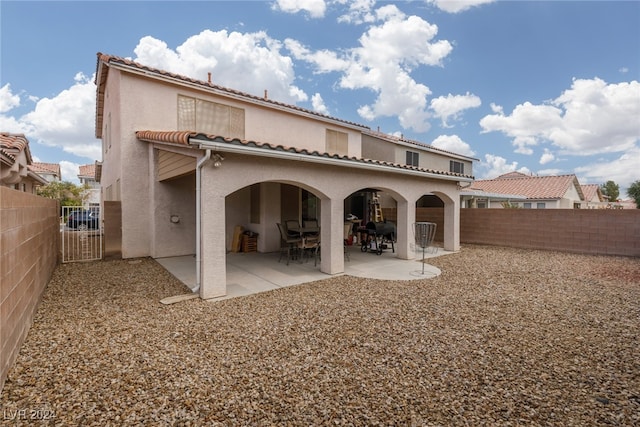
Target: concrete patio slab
column 249, row 273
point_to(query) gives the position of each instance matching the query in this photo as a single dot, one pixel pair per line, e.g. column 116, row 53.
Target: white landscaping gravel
column 502, row 337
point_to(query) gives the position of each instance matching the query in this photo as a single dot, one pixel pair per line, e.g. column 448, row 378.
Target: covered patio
column 254, row 272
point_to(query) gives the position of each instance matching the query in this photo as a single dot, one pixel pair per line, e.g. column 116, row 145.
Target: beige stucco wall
column 137, row 103
column 176, row 197
column 374, row 148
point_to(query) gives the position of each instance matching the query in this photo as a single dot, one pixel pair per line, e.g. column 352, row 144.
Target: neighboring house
column 15, row 159
column 593, row 197
column 540, row 192
column 475, row 198
column 49, row 171
column 189, row 160
column 87, row 177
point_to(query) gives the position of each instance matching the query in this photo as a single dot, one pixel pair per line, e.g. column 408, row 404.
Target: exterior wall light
column 217, row 159
column 174, row 219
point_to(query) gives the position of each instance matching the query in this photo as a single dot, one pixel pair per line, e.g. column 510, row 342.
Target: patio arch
column 331, row 184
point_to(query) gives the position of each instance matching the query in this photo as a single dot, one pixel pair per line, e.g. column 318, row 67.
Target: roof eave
column 221, row 146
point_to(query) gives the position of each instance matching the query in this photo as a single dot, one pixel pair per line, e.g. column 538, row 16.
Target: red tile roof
column 185, row 137
column 532, row 187
column 87, row 171
column 592, row 191
column 51, row 168
column 12, row 144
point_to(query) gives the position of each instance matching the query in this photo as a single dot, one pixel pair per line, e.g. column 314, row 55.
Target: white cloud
column 494, row 166
column 547, row 157
column 450, row 106
column 455, row 6
column 324, row 60
column 360, row 11
column 598, row 117
column 315, row 8
column 382, row 63
column 526, row 124
column 69, row 171
column 589, row 118
column 454, row 144
column 8, row 100
column 318, row 104
column 67, row 120
column 623, row 171
column 249, row 62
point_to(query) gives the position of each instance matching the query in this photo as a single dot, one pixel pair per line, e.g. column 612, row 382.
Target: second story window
column 456, row 167
column 210, row 117
column 337, row 142
column 412, row 158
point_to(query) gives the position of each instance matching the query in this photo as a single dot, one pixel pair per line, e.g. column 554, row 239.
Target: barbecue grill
column 376, row 236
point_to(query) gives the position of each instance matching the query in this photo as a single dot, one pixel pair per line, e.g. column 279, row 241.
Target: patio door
column 81, row 234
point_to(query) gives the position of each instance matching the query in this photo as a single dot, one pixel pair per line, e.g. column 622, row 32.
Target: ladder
column 375, row 209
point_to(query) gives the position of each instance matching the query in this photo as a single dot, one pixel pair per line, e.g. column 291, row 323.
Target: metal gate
column 81, row 234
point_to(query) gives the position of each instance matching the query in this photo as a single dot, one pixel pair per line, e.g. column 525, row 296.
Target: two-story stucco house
column 189, row 160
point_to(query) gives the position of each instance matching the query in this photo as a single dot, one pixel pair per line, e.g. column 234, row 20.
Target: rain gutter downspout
column 199, row 166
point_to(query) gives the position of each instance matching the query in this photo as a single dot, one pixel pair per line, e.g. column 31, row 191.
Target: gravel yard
column 502, row 337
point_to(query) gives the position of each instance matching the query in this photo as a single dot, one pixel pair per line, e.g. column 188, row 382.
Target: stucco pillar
column 213, row 278
column 404, row 235
column 452, row 225
column 332, row 236
column 269, row 239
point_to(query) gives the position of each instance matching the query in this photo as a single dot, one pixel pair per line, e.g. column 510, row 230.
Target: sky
column 539, row 87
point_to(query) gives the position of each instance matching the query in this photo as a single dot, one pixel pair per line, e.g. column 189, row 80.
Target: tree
column 611, row 190
column 634, row 192
column 67, row 193
column 509, row 205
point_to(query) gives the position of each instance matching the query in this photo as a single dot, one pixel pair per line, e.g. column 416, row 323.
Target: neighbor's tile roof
column 88, row 171
column 51, row 168
column 532, row 187
column 591, row 192
column 184, row 137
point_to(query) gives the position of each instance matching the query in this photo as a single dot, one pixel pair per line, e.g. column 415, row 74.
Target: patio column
column 452, row 225
column 332, row 236
column 405, row 220
column 213, row 278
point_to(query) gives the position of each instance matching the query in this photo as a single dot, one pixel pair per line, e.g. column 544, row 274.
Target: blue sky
column 539, row 87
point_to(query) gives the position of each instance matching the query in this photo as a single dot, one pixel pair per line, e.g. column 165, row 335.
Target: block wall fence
column 587, row 231
column 29, row 254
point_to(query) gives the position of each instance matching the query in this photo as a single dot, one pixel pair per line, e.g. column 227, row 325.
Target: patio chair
column 289, row 244
column 292, row 227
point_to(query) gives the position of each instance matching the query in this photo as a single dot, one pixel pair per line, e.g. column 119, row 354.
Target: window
column 526, row 205
column 210, row 117
column 337, row 142
column 456, row 167
column 412, row 158
column 541, row 205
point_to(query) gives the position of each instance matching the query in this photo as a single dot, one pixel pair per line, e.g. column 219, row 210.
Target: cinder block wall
column 589, row 231
column 29, row 242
